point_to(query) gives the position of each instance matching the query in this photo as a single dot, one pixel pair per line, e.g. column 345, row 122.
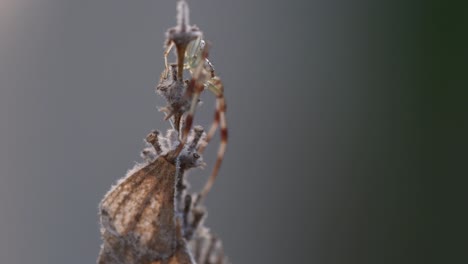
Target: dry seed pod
column 137, row 216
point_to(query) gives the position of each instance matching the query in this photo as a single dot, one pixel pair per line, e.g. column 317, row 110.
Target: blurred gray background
column 327, row 125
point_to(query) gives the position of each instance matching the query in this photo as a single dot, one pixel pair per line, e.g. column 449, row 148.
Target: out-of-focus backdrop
column 331, row 111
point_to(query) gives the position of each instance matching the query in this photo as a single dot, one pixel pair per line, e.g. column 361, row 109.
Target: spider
column 183, row 96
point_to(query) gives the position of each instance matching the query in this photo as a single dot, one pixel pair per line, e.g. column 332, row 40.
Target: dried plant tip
column 153, row 139
column 181, row 35
column 173, row 91
column 183, row 15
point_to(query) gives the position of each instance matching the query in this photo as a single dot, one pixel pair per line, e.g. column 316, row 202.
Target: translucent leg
column 214, row 85
column 166, row 53
column 220, row 117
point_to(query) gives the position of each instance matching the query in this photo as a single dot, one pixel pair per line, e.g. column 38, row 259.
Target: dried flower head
column 148, row 217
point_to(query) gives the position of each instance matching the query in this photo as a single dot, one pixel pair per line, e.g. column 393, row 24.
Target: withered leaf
column 137, row 218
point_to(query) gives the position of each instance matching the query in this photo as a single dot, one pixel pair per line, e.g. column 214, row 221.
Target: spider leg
column 210, row 67
column 221, row 114
column 217, row 90
column 194, row 89
column 211, row 132
column 166, row 53
column 196, row 86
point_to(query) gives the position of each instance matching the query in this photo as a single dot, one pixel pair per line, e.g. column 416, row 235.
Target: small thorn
column 153, row 139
